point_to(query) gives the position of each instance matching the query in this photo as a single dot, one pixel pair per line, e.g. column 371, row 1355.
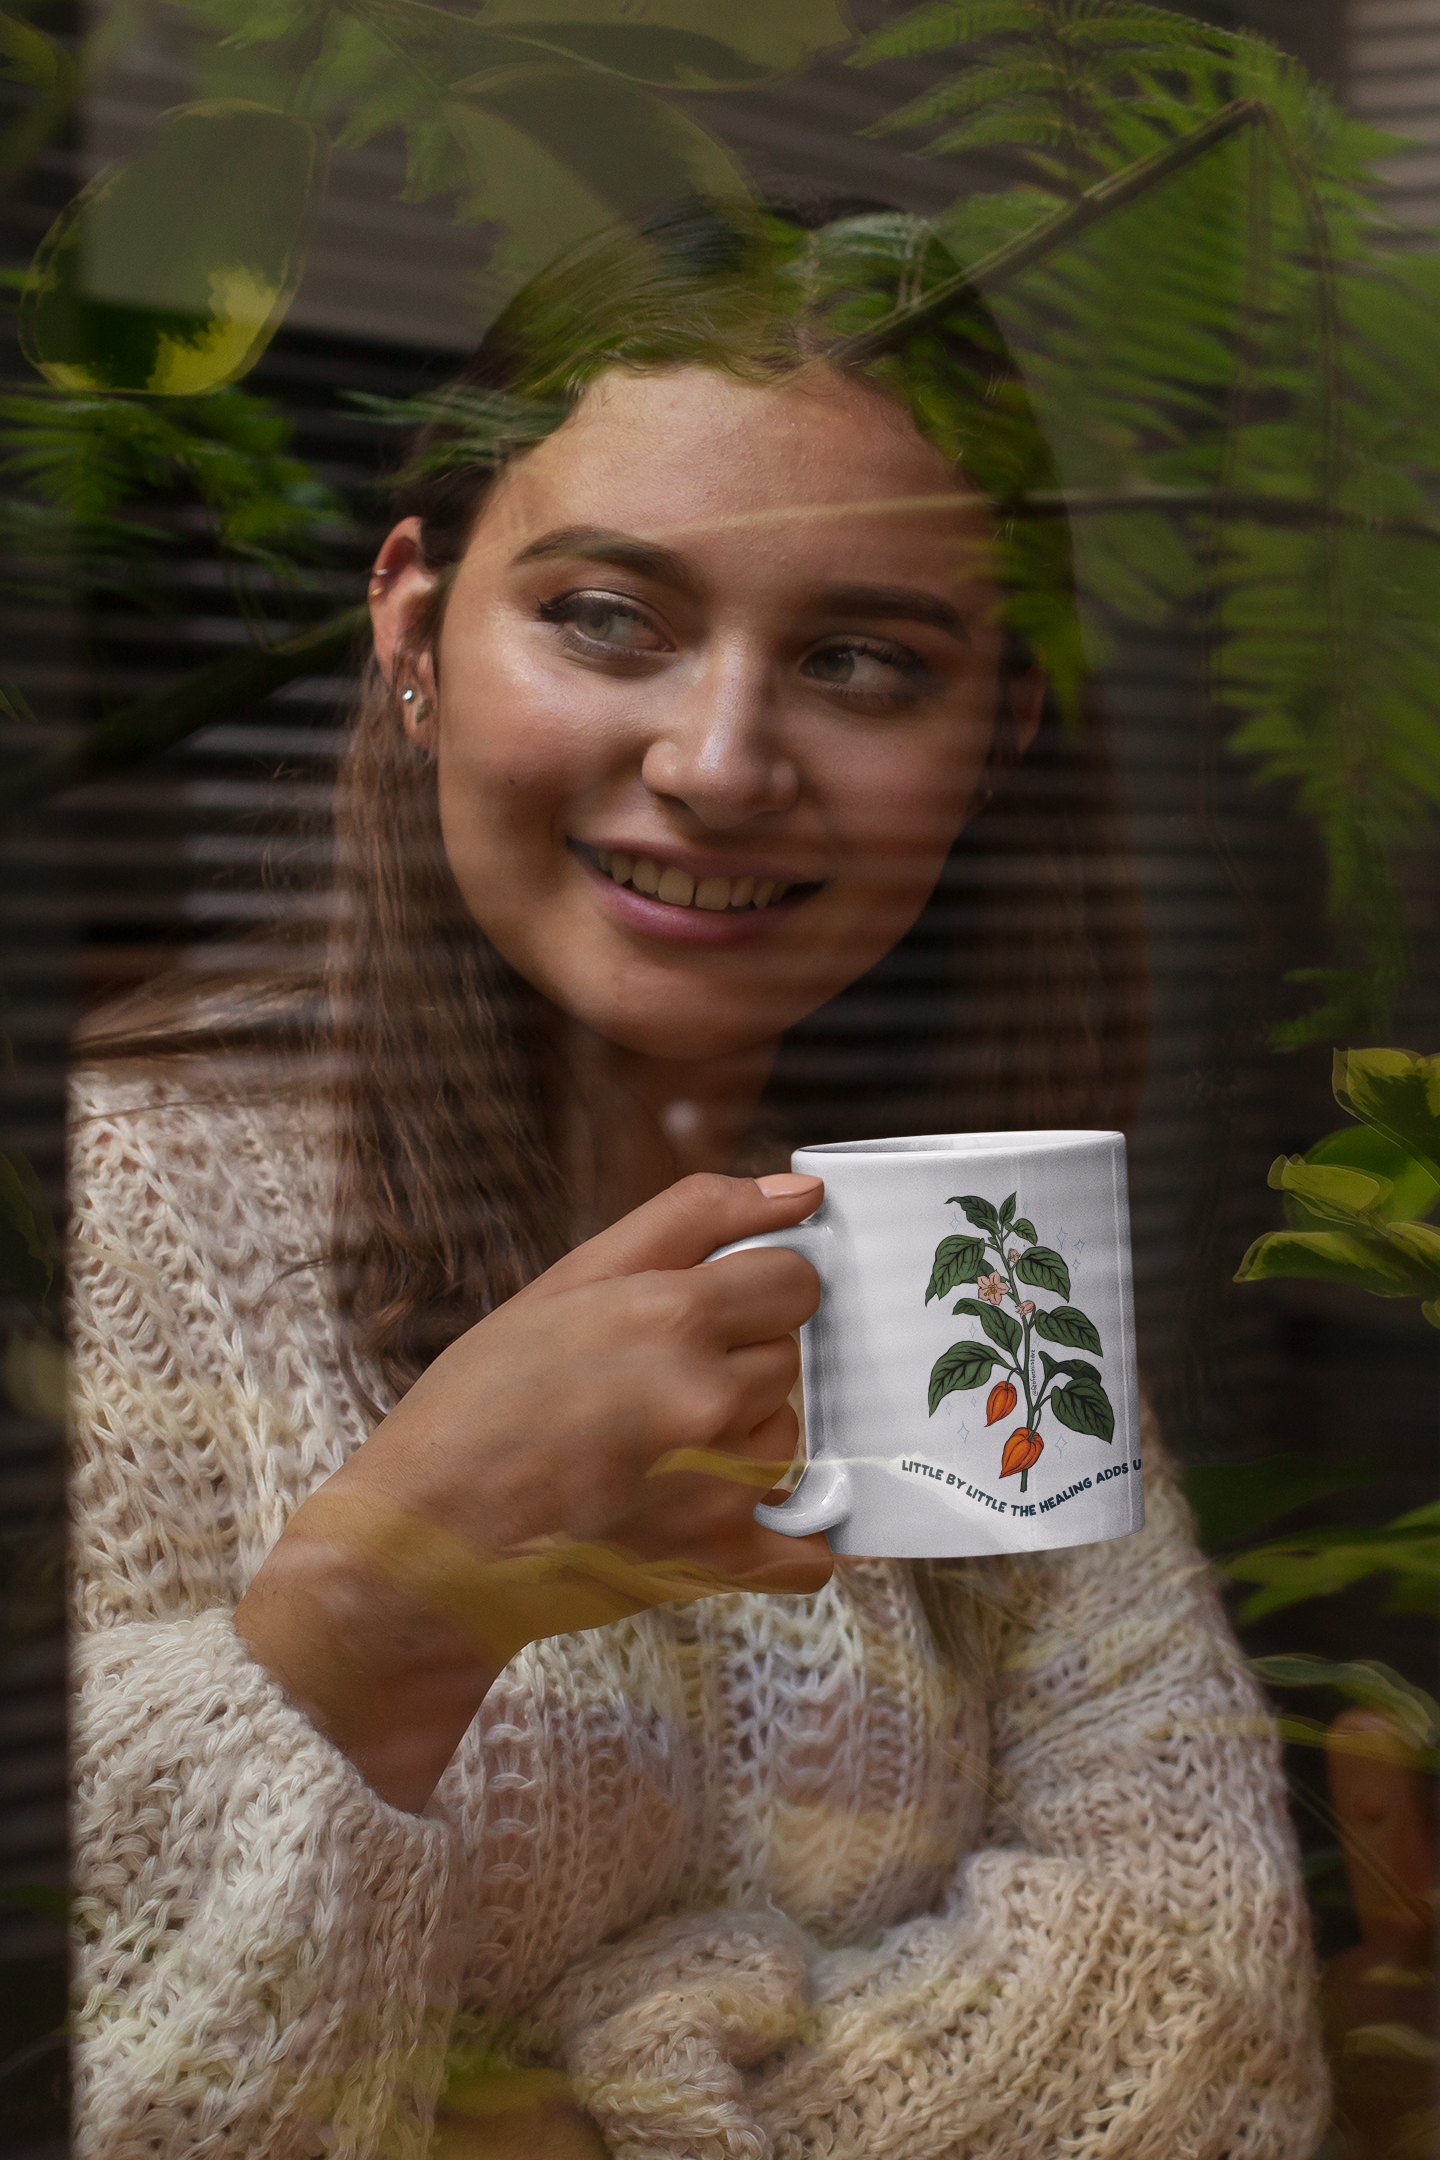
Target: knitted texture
column 768, row 1876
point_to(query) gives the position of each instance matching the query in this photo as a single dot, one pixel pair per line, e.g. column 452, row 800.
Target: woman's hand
column 594, row 1447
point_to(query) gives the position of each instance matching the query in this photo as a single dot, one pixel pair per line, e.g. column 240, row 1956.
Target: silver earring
column 422, row 710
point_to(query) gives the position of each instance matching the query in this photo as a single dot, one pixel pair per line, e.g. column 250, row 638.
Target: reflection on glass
column 460, row 1767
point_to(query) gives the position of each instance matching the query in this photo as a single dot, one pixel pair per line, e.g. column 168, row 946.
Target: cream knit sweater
column 768, row 1875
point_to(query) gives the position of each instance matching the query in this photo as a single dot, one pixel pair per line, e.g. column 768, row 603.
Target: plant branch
column 139, row 731
column 1042, row 239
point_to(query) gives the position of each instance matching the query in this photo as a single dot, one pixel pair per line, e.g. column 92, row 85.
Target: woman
column 440, row 1691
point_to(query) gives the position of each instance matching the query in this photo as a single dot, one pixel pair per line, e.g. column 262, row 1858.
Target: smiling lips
column 715, row 895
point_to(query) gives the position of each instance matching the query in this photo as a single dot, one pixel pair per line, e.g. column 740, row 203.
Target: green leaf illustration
column 1051, row 1366
column 957, row 1260
column 170, row 273
column 1044, row 1270
column 998, row 1325
column 1007, row 1213
column 977, row 1211
column 1068, row 1325
column 1396, row 1092
column 964, row 1365
column 1084, row 1406
column 1022, row 1227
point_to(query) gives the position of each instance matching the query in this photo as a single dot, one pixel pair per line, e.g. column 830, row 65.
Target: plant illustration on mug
column 1071, row 1387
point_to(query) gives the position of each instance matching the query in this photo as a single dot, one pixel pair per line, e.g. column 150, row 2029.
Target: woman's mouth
column 716, row 909
column 716, row 895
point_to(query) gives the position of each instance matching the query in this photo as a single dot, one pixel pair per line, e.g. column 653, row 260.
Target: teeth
column 676, row 886
column 714, row 894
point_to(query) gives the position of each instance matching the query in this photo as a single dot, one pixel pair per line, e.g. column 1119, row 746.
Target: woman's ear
column 1020, row 710
column 400, row 585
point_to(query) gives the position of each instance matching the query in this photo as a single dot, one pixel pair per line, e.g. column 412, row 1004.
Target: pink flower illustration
column 1027, row 1307
column 1012, row 1256
column 992, row 1288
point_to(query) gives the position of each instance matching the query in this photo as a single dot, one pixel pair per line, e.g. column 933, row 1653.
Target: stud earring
column 422, row 709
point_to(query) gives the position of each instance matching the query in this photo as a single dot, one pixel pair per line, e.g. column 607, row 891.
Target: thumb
column 685, row 1223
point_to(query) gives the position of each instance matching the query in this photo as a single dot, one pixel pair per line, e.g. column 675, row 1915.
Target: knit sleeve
column 1124, row 1968
column 267, row 1956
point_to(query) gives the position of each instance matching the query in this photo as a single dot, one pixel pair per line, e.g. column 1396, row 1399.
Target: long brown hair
column 1016, row 1000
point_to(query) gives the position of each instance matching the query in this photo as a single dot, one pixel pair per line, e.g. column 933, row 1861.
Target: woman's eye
column 603, row 624
column 888, row 672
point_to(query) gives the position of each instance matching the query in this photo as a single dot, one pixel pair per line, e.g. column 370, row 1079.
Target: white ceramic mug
column 970, row 1376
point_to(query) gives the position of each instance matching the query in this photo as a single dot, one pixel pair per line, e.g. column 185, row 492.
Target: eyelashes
column 587, row 617
column 871, row 674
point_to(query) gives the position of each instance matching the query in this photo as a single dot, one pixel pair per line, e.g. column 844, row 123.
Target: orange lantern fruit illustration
column 1001, row 1402
column 1022, row 1451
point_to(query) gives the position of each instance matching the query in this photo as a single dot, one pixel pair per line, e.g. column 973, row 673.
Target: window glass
column 839, row 600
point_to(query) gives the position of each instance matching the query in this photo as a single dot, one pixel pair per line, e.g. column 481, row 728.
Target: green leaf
column 555, row 153
column 1363, row 1680
column 1050, row 1366
column 1412, row 1193
column 1007, row 1213
column 1085, row 1407
column 1391, row 1260
column 1329, row 1191
column 682, row 44
column 957, row 1260
column 26, row 1265
column 1398, row 1093
column 998, row 1325
column 28, row 56
column 1319, row 1562
column 1022, row 1227
column 1043, row 1269
column 978, row 1211
column 1231, row 1501
column 170, row 273
column 964, row 1365
column 1067, row 1324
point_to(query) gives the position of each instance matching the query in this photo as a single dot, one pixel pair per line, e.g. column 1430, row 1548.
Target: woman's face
column 713, row 696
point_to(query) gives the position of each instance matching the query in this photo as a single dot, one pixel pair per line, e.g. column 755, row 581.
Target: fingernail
column 787, row 1184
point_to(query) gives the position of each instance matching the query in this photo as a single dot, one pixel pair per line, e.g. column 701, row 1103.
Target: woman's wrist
column 355, row 1614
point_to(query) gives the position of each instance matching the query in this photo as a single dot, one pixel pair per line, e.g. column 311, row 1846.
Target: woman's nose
column 718, row 750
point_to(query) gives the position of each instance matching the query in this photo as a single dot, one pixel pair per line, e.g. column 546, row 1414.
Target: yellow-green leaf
column 690, row 44
column 28, row 56
column 170, row 273
column 1331, row 1191
column 1394, row 1260
column 1413, row 1190
column 554, row 153
column 1398, row 1093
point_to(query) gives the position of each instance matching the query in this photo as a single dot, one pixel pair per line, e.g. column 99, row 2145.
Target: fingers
column 753, row 1297
column 681, row 1226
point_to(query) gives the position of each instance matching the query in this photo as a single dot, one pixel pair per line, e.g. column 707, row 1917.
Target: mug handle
column 822, row 1498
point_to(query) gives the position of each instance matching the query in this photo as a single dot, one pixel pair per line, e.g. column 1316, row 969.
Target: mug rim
column 934, row 1147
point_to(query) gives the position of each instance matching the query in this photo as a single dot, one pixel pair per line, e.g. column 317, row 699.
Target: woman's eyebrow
column 890, row 603
column 595, row 544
